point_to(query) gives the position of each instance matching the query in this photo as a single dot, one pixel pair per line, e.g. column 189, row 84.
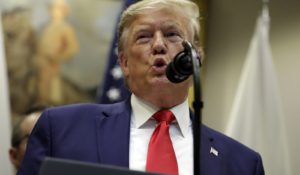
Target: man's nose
column 159, row 44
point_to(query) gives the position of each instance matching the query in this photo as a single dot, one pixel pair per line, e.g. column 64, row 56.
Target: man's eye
column 143, row 38
column 171, row 34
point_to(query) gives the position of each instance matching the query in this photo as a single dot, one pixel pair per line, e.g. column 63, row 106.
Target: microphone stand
column 197, row 105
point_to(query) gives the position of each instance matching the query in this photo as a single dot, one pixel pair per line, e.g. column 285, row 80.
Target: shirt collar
column 143, row 111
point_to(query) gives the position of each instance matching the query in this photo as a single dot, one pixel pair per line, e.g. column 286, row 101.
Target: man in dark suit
column 155, row 119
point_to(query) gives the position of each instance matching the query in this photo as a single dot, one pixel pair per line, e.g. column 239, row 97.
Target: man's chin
column 161, row 79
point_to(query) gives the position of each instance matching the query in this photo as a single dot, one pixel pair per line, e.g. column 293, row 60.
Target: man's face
column 17, row 154
column 20, row 151
column 153, row 40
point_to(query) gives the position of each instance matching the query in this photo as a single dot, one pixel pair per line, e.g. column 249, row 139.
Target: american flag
column 113, row 88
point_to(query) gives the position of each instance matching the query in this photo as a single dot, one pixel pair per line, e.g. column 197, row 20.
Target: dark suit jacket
column 100, row 134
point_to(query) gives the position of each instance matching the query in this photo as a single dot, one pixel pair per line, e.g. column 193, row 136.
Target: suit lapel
column 113, row 127
column 211, row 157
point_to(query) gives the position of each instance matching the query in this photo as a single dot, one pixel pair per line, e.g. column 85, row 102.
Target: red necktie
column 161, row 156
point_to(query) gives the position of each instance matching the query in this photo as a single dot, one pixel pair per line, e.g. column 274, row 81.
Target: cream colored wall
column 230, row 28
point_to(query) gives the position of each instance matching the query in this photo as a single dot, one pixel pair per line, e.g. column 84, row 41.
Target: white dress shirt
column 141, row 129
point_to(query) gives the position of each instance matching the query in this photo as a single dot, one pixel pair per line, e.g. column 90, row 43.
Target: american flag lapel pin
column 214, row 151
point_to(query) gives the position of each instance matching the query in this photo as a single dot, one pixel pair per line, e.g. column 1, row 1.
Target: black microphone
column 181, row 67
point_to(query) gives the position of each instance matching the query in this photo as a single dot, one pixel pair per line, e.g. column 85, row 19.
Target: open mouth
column 159, row 63
column 159, row 66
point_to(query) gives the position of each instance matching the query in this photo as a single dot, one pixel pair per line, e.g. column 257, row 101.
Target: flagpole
column 265, row 5
column 265, row 2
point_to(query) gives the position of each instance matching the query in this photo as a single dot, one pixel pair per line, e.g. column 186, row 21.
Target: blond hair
column 188, row 8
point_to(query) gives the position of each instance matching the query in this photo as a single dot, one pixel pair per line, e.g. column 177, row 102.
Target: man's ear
column 123, row 61
column 13, row 156
column 200, row 53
